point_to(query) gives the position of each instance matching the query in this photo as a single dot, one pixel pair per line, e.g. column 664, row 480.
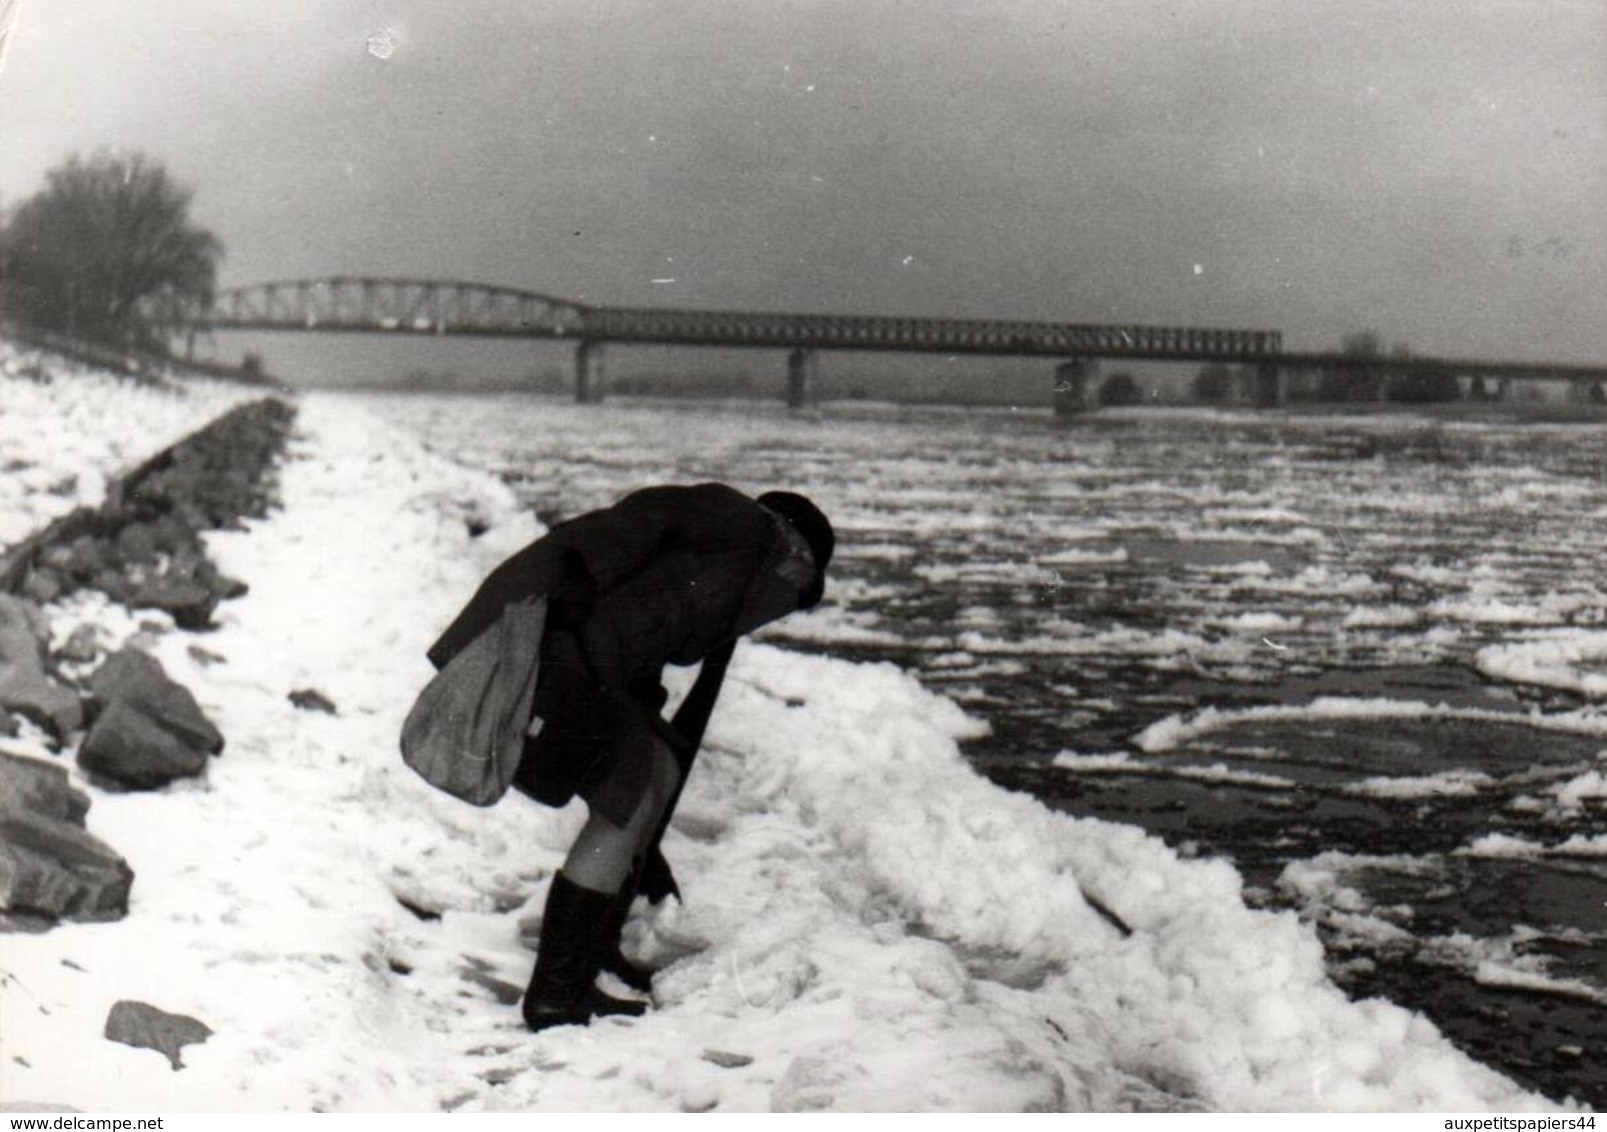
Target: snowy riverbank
column 65, row 429
column 869, row 924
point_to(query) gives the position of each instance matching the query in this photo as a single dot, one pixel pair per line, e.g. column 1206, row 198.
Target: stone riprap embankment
column 141, row 547
column 68, row 431
column 138, row 541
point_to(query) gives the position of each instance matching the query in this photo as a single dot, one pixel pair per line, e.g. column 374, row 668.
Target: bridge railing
column 944, row 335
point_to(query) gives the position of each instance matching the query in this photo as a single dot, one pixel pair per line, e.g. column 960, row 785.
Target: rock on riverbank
column 136, row 539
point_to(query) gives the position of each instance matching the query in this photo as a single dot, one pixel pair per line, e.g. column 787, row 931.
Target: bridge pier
column 1073, row 379
column 802, row 366
column 591, row 380
column 1271, row 388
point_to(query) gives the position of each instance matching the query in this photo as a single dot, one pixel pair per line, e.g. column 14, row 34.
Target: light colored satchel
column 466, row 731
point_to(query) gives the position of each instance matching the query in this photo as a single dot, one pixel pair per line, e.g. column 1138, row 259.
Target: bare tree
column 102, row 237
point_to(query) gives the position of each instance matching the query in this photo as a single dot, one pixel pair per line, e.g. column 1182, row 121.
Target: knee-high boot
column 613, row 959
column 572, row 947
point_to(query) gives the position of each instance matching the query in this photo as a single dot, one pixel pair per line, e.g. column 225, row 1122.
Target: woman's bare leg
column 604, row 853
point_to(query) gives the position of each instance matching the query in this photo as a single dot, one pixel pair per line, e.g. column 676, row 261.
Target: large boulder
column 150, row 730
column 38, row 787
column 138, row 679
column 128, row 749
column 188, row 601
column 51, row 868
column 25, row 687
column 143, row 1026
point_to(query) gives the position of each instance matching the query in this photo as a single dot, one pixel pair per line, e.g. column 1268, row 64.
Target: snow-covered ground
column 61, row 441
column 869, row 924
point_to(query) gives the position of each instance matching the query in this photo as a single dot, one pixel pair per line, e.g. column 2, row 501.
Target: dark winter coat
column 661, row 577
column 668, row 575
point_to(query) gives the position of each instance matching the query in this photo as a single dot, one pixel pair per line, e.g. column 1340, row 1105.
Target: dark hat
column 805, row 518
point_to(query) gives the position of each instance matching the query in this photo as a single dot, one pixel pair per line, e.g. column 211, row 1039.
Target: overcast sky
column 1435, row 170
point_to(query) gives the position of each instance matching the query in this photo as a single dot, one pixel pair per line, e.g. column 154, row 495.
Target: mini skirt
column 596, row 743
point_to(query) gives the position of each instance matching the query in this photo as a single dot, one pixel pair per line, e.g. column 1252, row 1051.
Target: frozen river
column 1363, row 658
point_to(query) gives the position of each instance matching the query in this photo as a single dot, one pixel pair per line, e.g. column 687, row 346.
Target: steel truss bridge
column 440, row 308
column 415, row 306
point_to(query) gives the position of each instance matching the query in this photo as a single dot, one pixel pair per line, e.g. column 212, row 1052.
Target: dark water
column 1075, row 585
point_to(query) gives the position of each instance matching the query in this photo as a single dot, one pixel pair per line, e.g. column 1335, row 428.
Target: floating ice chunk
column 1315, row 580
column 1319, row 886
column 1582, row 845
column 830, row 624
column 1449, row 784
column 1576, row 792
column 880, row 551
column 1430, row 574
column 1505, row 845
column 1256, row 623
column 1491, row 610
column 1492, row 974
column 1119, row 762
column 979, row 616
column 1382, row 617
column 1557, row 660
column 1016, row 573
column 1093, row 557
column 1255, row 569
column 1174, row 730
column 1064, row 638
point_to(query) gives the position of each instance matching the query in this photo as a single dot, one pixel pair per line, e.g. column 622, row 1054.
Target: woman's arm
column 655, row 880
column 692, row 717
